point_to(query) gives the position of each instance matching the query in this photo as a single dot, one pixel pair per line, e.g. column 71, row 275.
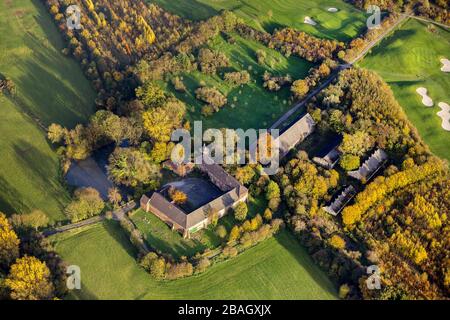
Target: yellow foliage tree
column 148, row 34
column 158, row 124
column 29, row 279
column 234, row 233
column 9, row 242
column 337, row 242
column 177, row 196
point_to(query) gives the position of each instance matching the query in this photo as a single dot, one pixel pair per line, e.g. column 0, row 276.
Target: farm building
column 295, row 133
column 370, row 167
column 329, row 154
column 179, row 169
column 187, row 219
column 341, row 201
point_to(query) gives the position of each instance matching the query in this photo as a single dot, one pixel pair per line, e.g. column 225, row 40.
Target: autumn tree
column 105, row 127
column 130, row 167
column 237, row 78
column 29, row 279
column 9, row 243
column 241, row 211
column 56, row 133
column 357, row 144
column 210, row 60
column 221, row 231
column 159, row 122
column 267, row 214
column 87, row 203
column 34, row 219
column 177, row 196
column 245, row 174
column 337, row 242
column 151, row 95
column 154, row 265
column 300, row 88
column 114, row 196
column 272, row 191
column 212, row 97
column 349, row 162
column 234, row 233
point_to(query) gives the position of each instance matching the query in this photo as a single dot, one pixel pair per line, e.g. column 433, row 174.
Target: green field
column 344, row 25
column 50, row 88
column 249, row 106
column 275, row 269
column 409, row 59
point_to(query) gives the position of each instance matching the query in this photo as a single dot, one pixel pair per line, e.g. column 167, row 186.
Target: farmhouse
column 188, row 222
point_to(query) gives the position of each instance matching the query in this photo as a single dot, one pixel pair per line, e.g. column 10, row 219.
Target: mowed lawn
column 267, row 15
column 251, row 105
column 161, row 237
column 409, row 59
column 275, row 269
column 50, row 88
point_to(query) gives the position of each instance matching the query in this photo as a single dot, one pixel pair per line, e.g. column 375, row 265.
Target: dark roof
column 223, row 202
column 160, row 203
column 329, row 144
column 216, row 172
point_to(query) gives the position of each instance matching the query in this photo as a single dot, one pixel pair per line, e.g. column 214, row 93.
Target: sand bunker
column 444, row 114
column 332, row 10
column 310, row 21
column 446, row 65
column 426, row 100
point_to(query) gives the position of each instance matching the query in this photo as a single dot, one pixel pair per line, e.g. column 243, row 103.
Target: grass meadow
column 251, row 105
column 278, row 268
column 50, row 88
column 408, row 59
column 267, row 15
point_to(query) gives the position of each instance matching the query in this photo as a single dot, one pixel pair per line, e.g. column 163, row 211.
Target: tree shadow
column 176, row 250
column 116, row 232
column 270, row 26
column 83, row 294
column 47, row 97
column 39, row 166
column 52, row 86
column 188, row 9
column 10, row 201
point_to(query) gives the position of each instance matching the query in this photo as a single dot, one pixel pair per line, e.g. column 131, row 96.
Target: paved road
column 311, row 95
column 402, row 18
column 429, row 21
column 285, row 117
column 50, row 232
